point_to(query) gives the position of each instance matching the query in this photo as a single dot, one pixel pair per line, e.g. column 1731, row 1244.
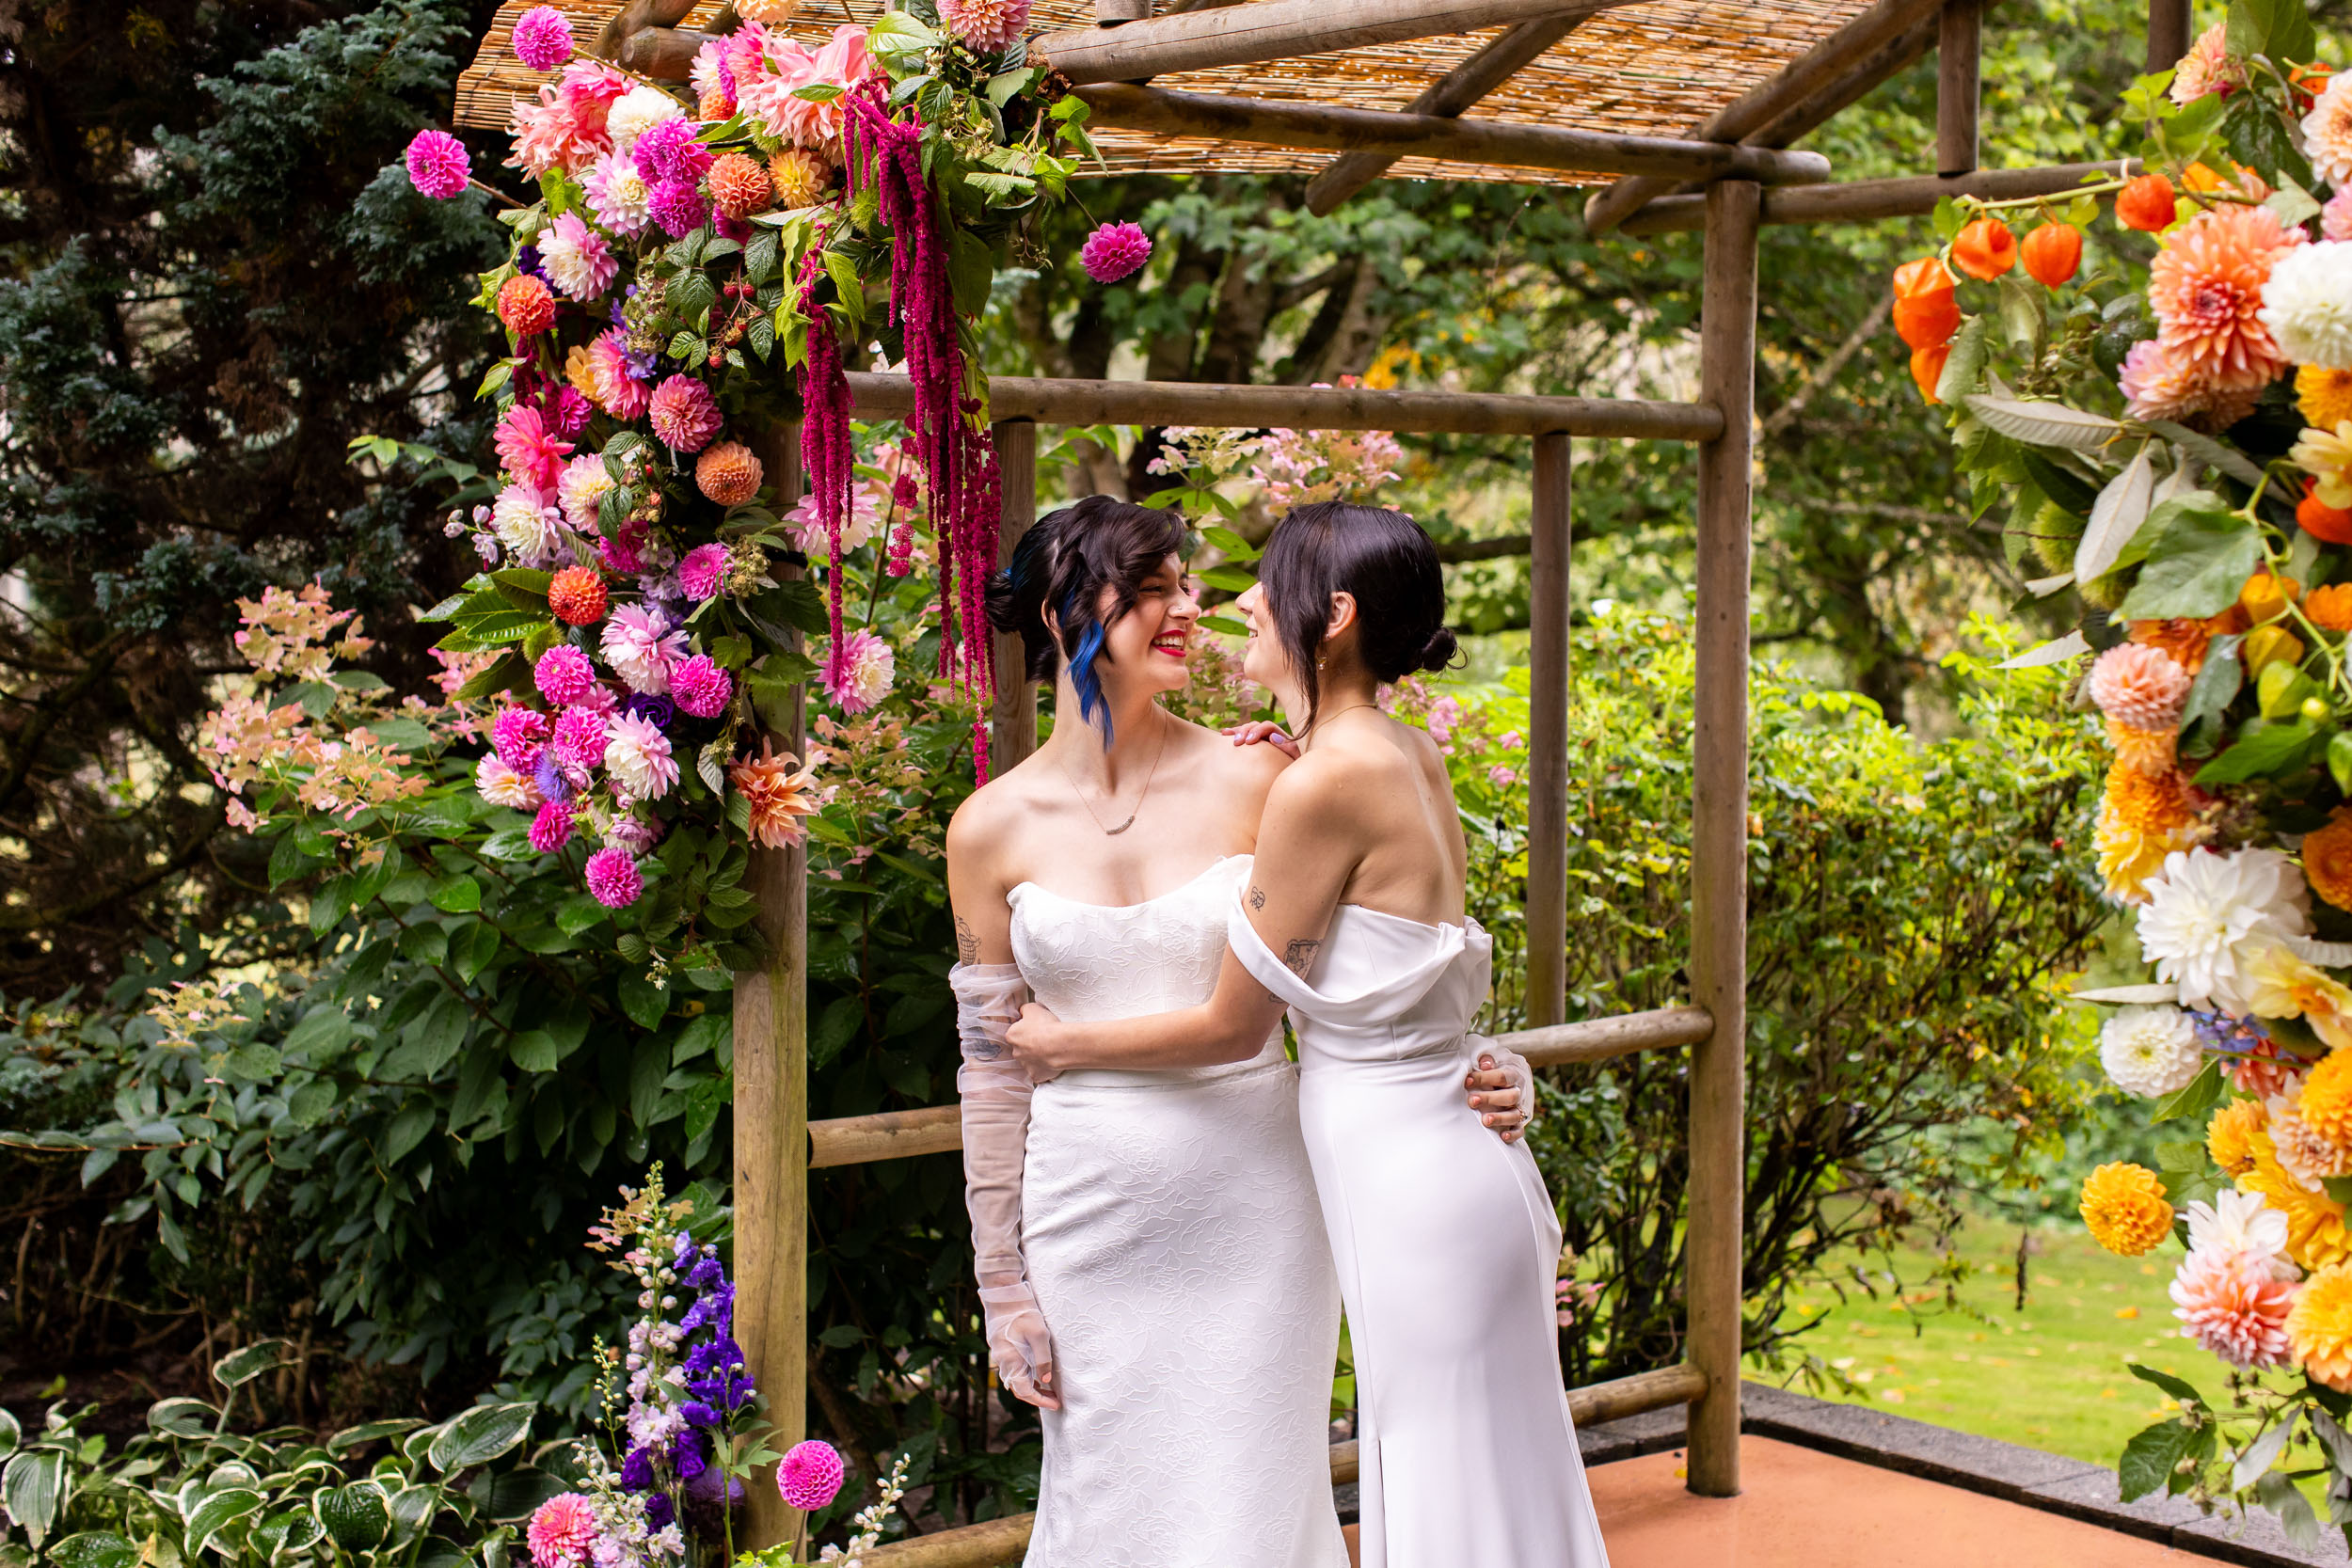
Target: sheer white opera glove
column 996, row 1095
column 1521, row 1078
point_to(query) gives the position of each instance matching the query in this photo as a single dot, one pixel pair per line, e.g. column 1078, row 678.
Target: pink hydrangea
column 1114, row 251
column 613, row 879
column 564, row 674
column 438, row 164
column 543, row 38
column 684, row 416
column 562, row 1531
column 810, row 1475
column 552, row 828
column 577, row 743
column 519, row 736
column 699, row 687
column 2236, row 1305
column 577, row 259
column 702, row 571
column 528, row 449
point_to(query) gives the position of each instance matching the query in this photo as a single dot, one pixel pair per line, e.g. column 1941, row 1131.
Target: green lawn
column 2051, row 1376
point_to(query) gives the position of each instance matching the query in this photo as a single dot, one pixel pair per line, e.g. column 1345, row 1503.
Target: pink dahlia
column 702, row 571
column 638, row 757
column 642, row 649
column 680, row 207
column 617, row 194
column 577, row 259
column 543, row 38
column 765, row 92
column 713, row 83
column 612, row 381
column 580, row 490
column 857, row 673
column 2206, row 285
column 635, row 834
column 577, row 743
column 564, row 674
column 552, row 828
column 623, row 556
column 570, row 412
column 528, row 449
column 438, row 164
column 1115, row 251
column 699, row 687
column 985, row 27
column 2139, row 685
column 2157, row 386
column 503, row 786
column 613, row 879
column 2236, row 1305
column 810, row 1474
column 2206, row 68
column 2335, row 219
column 563, row 1532
column 684, row 416
column 669, row 151
column 519, row 736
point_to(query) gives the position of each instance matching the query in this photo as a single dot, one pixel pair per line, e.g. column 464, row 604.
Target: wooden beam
column 1118, row 13
column 1801, row 120
column 1546, row 913
column 1233, row 407
column 1958, row 50
column 1630, row 1396
column 1820, row 69
column 2168, row 33
column 1511, row 143
column 1719, row 839
column 1866, row 201
column 888, row 1135
column 1275, row 30
column 770, row 1171
column 1012, row 718
column 1598, row 1039
column 1450, row 96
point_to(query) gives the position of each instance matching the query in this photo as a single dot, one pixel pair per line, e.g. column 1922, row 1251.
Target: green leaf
column 971, row 270
column 508, row 672
column 2043, row 424
column 217, row 1511
column 365, row 1432
column 2279, row 29
column 534, row 1051
column 355, row 1517
column 182, row 1418
column 32, row 1489
column 458, row 894
column 2195, row 568
column 2272, row 750
column 645, row 1003
column 2215, row 685
column 578, row 913
column 93, row 1548
column 2149, row 1458
column 240, row 1367
column 517, row 1494
column 1234, row 579
column 479, row 1435
column 1965, row 370
column 407, row 1132
column 2194, row 1099
column 2279, row 1494
column 11, row 1434
column 2059, row 482
column 2165, row 1381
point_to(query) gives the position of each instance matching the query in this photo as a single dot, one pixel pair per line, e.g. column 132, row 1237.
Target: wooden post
column 1012, row 721
column 1548, row 738
column 1719, row 825
column 771, row 1116
column 1114, row 14
column 2168, row 33
column 1958, row 48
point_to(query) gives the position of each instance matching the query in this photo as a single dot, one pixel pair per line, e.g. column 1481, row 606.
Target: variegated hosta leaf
column 2129, row 996
column 2116, row 515
column 706, row 763
column 2326, row 955
column 2056, row 651
column 2043, row 424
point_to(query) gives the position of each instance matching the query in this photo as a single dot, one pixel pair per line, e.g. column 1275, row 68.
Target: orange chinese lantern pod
column 1923, row 277
column 2332, row 524
column 2146, row 204
column 2309, row 82
column 2053, row 253
column 1985, row 249
column 1926, row 368
column 2265, row 597
column 2197, row 177
column 1925, row 311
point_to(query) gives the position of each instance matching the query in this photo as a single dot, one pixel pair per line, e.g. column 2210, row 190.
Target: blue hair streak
column 1089, row 686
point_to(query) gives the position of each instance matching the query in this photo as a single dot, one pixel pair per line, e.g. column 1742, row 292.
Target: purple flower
column 678, row 205
column 656, row 710
column 657, row 1511
column 438, row 164
column 543, row 38
column 699, row 1414
column 613, row 879
column 686, row 1453
column 1115, row 251
column 637, row 1470
column 548, row 777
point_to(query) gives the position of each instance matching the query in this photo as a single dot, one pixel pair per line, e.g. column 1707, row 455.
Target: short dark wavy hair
column 1063, row 564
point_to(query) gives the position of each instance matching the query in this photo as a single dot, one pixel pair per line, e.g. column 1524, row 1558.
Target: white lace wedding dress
column 1174, row 1240
column 1447, row 1245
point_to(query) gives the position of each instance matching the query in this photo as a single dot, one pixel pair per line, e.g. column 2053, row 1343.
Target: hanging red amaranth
column 827, row 457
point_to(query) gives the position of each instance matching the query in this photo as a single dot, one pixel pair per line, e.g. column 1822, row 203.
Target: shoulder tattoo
column 967, row 946
column 1299, row 956
column 1257, row 896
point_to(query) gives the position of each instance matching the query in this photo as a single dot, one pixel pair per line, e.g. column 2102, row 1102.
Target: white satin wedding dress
column 1447, row 1244
column 1176, row 1248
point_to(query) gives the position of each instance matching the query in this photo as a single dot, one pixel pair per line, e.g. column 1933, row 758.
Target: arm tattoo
column 967, row 946
column 1299, row 956
column 1257, row 896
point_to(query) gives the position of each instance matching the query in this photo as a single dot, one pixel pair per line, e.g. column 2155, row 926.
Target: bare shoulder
column 989, row 811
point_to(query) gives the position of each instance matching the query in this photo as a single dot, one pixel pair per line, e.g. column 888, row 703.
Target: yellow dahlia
column 2324, row 396
column 2325, row 1103
column 2320, row 1327
column 2280, row 984
column 579, row 371
column 2235, row 1137
column 2315, row 1234
column 800, row 177
column 2123, row 1205
column 2326, row 454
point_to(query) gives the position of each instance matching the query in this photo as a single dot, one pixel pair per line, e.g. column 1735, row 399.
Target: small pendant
column 1114, row 832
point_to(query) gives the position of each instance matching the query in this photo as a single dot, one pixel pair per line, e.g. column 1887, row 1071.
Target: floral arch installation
column 1681, row 110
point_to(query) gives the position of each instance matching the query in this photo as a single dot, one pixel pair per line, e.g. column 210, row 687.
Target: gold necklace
column 1148, row 775
column 1323, row 721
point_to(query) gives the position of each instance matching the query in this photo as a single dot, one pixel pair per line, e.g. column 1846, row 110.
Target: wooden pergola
column 1683, row 111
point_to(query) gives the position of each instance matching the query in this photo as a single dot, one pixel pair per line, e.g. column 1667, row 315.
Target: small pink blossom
column 438, row 164
column 613, row 879
column 702, row 571
column 562, row 1531
column 810, row 1474
column 1114, row 251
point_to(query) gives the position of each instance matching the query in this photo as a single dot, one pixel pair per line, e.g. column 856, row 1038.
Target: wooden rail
column 1509, row 143
column 1048, row 401
column 938, row 1129
column 1002, row 1541
column 1862, row 201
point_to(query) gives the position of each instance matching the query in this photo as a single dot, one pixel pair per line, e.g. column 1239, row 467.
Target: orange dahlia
column 2186, row 640
column 577, row 596
column 2124, row 1207
column 2315, row 1234
column 739, row 185
column 2206, row 286
column 2324, row 395
column 2326, row 1100
column 780, row 792
column 728, row 473
column 2320, row 1327
column 2236, row 1138
column 2142, row 819
column 2144, row 751
column 2327, row 861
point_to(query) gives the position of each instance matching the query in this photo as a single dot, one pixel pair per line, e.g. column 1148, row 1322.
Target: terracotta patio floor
column 1802, row 1509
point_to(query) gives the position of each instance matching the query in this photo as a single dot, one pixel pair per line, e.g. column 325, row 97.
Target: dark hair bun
column 1440, row 649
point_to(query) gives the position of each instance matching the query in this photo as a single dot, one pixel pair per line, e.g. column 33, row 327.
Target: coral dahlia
column 2326, row 1100
column 2236, row 1305
column 729, row 474
column 684, row 416
column 780, row 791
column 525, row 305
column 740, row 185
column 2206, row 68
column 578, row 595
column 562, row 1531
column 2328, row 132
column 2139, row 685
column 438, row 164
column 985, row 27
column 2206, row 286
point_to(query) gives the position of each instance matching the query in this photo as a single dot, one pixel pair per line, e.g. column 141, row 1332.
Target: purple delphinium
column 657, row 711
column 2218, row 1031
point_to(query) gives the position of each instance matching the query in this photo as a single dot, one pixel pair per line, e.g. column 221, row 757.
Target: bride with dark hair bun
column 1352, row 916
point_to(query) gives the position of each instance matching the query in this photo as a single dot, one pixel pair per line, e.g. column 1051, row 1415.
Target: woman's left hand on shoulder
column 1032, row 1039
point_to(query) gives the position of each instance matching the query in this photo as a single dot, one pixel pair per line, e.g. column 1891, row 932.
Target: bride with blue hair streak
column 1151, row 1253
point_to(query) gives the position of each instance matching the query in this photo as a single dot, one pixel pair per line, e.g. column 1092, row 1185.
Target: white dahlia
column 2239, row 1222
column 638, row 111
column 2150, row 1051
column 2208, row 914
column 2306, row 304
column 529, row 523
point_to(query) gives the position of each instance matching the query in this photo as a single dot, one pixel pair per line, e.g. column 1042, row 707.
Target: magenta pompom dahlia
column 699, row 687
column 438, row 164
column 552, row 828
column 668, row 152
column 519, row 736
column 563, row 1532
column 564, row 674
column 810, row 1474
column 684, row 416
column 543, row 38
column 702, row 571
column 577, row 743
column 615, row 883
column 678, row 205
column 1114, row 251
